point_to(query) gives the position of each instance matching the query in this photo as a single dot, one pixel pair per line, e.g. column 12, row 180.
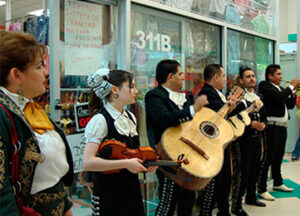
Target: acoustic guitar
column 201, row 141
column 242, row 119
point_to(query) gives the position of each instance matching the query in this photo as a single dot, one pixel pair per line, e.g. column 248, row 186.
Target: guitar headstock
column 236, row 93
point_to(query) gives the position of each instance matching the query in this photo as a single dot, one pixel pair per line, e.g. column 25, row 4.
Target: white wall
column 287, row 19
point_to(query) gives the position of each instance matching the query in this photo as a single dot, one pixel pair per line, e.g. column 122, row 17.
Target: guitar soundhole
column 209, row 129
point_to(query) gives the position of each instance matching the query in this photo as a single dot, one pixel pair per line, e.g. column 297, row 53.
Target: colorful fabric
column 29, row 155
column 37, row 118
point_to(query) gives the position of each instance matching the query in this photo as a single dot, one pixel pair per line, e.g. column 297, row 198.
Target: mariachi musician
column 165, row 107
column 218, row 189
column 247, row 148
column 277, row 102
column 116, row 194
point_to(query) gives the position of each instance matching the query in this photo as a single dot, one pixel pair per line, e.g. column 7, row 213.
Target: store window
column 202, row 46
column 155, row 36
column 246, row 50
column 88, row 42
column 257, row 15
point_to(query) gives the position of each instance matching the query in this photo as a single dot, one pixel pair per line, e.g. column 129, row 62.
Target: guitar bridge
column 195, row 147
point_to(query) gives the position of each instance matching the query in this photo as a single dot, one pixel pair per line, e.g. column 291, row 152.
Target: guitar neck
column 224, row 110
column 161, row 163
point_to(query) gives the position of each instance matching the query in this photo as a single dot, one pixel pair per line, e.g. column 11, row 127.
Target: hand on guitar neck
column 234, row 97
column 255, row 106
column 200, row 102
column 232, row 104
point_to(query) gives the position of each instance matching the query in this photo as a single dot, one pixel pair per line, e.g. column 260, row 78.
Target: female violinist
column 116, row 193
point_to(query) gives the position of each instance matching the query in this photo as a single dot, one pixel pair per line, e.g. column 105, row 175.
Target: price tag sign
column 82, row 115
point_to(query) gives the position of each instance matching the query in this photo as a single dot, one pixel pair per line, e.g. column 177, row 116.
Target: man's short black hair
column 164, row 68
column 242, row 71
column 271, row 69
column 210, row 70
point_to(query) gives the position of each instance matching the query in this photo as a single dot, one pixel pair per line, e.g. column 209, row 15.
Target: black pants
column 117, row 194
column 273, row 154
column 218, row 190
column 247, row 153
column 172, row 195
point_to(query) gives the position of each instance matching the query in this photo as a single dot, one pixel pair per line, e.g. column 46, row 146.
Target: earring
column 20, row 96
column 116, row 96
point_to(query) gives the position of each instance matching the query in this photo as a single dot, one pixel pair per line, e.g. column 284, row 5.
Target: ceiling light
column 2, row 3
column 38, row 12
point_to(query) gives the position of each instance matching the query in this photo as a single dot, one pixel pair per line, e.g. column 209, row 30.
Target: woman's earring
column 116, row 96
column 20, row 96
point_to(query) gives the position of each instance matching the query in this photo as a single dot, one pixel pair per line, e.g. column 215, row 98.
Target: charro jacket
column 54, row 198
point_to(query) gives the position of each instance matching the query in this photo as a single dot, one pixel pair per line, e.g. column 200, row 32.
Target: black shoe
column 239, row 212
column 256, row 203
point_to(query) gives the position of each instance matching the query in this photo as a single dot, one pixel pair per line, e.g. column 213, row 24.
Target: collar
column 276, row 86
column 123, row 123
column 19, row 100
column 251, row 96
column 177, row 97
column 168, row 90
column 113, row 111
column 222, row 96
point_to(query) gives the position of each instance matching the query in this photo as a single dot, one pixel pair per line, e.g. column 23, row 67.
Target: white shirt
column 55, row 165
column 283, row 119
column 97, row 129
column 249, row 96
column 222, row 96
column 179, row 99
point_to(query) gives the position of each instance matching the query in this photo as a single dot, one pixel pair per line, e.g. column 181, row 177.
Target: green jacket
column 28, row 158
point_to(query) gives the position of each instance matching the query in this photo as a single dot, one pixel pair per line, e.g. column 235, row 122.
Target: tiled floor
column 286, row 204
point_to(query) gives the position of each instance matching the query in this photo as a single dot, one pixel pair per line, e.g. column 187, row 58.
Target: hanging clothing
column 38, row 27
column 15, row 26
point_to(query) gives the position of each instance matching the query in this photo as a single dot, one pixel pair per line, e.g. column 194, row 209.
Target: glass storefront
column 90, row 38
column 246, row 50
column 155, row 36
column 89, row 41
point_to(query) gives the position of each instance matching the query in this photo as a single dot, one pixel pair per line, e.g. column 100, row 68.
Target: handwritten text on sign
column 77, row 146
column 83, row 37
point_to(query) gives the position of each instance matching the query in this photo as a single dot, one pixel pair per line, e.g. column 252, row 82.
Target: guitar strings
column 218, row 115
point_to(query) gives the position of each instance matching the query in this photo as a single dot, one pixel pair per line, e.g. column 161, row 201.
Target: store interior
column 84, row 36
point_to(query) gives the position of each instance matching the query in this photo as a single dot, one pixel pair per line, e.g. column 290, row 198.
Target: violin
column 114, row 149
